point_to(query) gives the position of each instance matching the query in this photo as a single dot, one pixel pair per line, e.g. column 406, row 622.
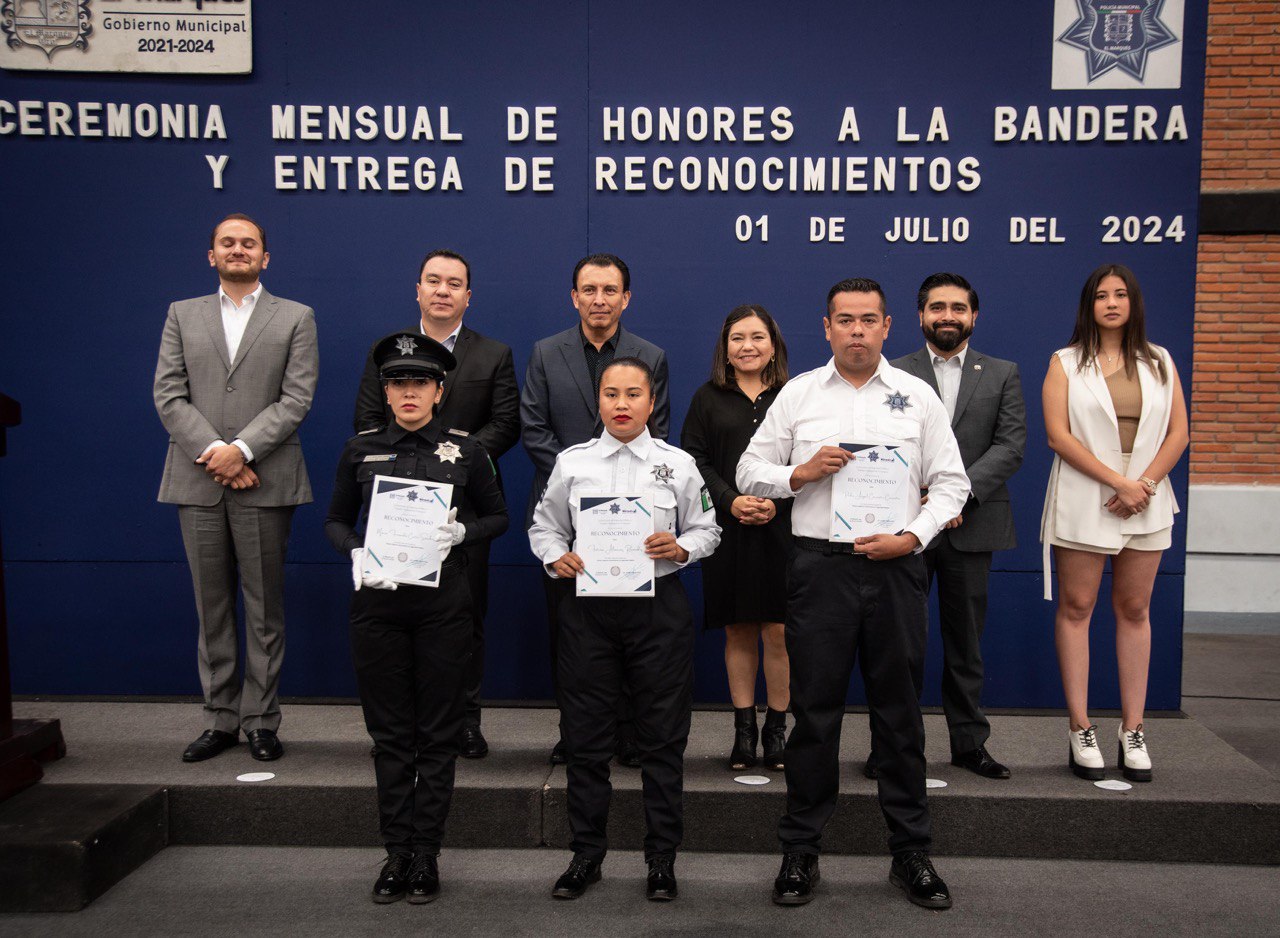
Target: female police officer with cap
column 410, row 645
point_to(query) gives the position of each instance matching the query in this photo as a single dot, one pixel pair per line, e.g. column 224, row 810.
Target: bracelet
column 1149, row 483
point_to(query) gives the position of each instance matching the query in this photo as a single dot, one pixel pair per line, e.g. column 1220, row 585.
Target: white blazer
column 1074, row 503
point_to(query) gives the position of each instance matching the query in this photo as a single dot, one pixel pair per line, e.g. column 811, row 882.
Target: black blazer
column 990, row 425
column 480, row 395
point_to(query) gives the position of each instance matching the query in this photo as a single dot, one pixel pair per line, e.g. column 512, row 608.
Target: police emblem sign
column 179, row 37
column 1116, row 44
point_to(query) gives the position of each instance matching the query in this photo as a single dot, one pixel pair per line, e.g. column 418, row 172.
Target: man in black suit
column 983, row 396
column 560, row 405
column 481, row 399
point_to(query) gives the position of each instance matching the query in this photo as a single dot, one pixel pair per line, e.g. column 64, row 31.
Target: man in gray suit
column 560, row 407
column 236, row 375
column 983, row 396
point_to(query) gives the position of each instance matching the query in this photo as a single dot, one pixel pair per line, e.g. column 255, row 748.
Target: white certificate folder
column 399, row 539
column 872, row 493
column 611, row 531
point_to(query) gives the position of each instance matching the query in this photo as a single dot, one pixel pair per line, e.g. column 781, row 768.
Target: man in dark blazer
column 235, row 376
column 481, row 399
column 559, row 406
column 984, row 397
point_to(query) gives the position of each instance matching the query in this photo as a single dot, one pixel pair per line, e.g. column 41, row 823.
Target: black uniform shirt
column 430, row 454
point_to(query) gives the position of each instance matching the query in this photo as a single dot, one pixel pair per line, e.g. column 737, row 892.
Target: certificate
column 872, row 493
column 611, row 534
column 399, row 540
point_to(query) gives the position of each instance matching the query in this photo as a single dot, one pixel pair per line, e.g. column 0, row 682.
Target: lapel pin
column 977, row 367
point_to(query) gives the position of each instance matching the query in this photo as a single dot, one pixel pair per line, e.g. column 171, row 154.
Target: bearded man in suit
column 235, row 377
column 479, row 399
column 983, row 397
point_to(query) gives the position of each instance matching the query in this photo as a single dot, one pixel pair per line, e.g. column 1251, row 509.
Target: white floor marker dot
column 1112, row 784
column 934, row 783
column 256, row 777
column 752, row 779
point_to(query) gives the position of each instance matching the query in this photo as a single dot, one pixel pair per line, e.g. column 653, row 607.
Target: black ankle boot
column 774, row 738
column 745, row 735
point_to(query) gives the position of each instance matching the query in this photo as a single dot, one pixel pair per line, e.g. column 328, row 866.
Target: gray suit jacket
column 990, row 425
column 260, row 398
column 558, row 406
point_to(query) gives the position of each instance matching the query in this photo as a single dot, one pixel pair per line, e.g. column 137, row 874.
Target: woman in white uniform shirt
column 1116, row 418
column 609, row 641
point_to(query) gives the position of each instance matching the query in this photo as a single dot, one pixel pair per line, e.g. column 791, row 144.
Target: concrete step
column 1208, row 802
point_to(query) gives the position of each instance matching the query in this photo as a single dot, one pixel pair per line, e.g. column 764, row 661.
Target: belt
column 826, row 547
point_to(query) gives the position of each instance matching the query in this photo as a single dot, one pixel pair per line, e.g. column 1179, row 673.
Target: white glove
column 360, row 578
column 450, row 534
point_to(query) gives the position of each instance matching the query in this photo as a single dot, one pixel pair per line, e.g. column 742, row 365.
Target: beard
column 246, row 273
column 949, row 340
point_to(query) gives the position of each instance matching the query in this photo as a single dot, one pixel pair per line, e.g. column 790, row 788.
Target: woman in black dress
column 743, row 581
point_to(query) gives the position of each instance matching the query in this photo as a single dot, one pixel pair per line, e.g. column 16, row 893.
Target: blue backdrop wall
column 1033, row 183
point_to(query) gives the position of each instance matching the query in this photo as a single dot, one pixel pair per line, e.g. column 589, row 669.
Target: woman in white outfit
column 1115, row 416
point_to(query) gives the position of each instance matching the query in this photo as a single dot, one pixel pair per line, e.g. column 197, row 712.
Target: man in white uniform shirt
column 235, row 377
column 853, row 601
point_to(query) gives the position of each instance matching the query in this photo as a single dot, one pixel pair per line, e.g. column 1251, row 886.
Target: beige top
column 1126, row 398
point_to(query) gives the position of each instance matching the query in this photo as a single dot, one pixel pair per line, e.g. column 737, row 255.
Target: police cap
column 412, row 355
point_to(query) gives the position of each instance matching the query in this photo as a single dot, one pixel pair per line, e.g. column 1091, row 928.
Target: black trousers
column 478, row 580
column 843, row 608
column 555, row 590
column 411, row 648
column 962, row 607
column 648, row 644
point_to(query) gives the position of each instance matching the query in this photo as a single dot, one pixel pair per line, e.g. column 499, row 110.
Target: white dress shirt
column 947, row 371
column 235, row 319
column 820, row 408
column 681, row 503
column 450, row 340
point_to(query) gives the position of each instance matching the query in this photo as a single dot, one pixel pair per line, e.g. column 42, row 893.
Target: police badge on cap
column 412, row 355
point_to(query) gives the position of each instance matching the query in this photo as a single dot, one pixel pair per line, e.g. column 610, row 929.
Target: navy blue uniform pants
column 411, row 648
column 646, row 645
column 841, row 609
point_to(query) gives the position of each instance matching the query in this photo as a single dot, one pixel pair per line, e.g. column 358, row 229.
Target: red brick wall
column 1235, row 399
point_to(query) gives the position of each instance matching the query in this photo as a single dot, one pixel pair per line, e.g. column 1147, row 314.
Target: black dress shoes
column 472, row 744
column 796, row 879
column 264, row 745
column 915, row 875
column 979, row 762
column 582, row 872
column 210, row 743
column 394, row 879
column 869, row 767
column 661, row 885
column 558, row 754
column 424, row 879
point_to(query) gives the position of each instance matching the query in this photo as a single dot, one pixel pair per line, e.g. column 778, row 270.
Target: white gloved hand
column 360, row 578
column 450, row 534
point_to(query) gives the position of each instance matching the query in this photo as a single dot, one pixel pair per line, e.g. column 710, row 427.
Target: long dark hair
column 1133, row 343
column 775, row 374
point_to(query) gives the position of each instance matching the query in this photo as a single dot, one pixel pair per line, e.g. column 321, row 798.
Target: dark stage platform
column 1208, row 803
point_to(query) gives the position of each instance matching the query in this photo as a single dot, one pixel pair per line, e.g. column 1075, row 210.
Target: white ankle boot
column 1083, row 755
column 1134, row 759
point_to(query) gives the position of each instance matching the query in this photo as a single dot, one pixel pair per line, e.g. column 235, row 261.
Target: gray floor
column 1231, row 691
column 219, row 891
column 1231, row 686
